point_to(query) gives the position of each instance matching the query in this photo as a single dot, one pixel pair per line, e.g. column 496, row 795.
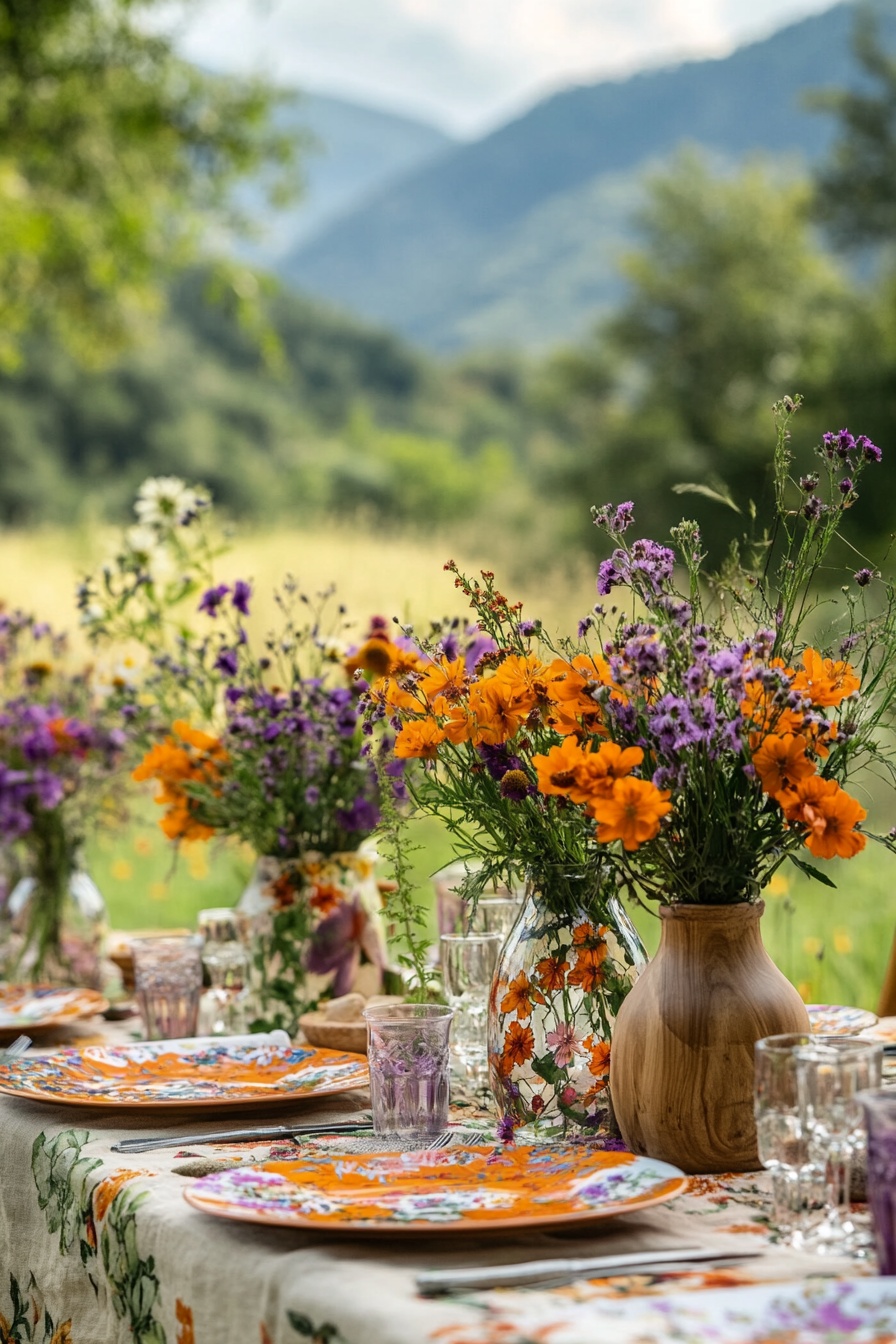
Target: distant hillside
column 513, row 240
column 355, row 151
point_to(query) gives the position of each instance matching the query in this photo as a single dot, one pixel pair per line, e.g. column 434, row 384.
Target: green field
column 833, row 945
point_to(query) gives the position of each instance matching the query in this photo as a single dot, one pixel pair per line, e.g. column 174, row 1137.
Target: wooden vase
column 681, row 1069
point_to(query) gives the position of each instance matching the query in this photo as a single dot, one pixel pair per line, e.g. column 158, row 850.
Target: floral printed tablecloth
column 96, row 1248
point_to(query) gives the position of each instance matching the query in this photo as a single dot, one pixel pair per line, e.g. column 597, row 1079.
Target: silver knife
column 434, row 1281
column 359, row 1126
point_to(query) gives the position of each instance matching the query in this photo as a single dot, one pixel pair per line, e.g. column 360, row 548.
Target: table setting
column 516, row 1127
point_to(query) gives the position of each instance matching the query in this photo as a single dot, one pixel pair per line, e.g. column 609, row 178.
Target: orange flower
column 197, row 757
column 632, row 813
column 376, row 658
column 184, row 1317
column 443, row 683
column 526, row 679
column 520, row 996
column 558, row 771
column 519, row 1045
column 571, row 689
column 588, row 971
column 599, row 1063
column 420, row 738
column 551, row 973
column 825, row 681
column 391, row 693
column 497, row 712
column 781, row 762
column 107, row 1189
column 595, row 775
column 460, row 725
column 830, row 816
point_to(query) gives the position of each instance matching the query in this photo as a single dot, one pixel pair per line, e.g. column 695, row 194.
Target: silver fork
column 18, row 1047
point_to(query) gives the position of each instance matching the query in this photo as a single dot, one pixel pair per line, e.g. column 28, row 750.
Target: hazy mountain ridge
column 514, row 239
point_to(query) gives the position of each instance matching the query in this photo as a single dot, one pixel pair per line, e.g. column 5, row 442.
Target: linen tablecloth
column 99, row 1248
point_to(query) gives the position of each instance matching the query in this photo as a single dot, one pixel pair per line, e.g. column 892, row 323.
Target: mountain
column 353, row 151
column 513, row 240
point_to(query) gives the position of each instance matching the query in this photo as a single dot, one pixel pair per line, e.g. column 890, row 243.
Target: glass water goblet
column 223, row 1009
column 783, row 1144
column 468, row 968
column 831, row 1071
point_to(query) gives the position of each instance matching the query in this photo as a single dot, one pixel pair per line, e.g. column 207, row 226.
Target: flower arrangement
column 60, row 746
column 683, row 744
column 260, row 741
column 695, row 739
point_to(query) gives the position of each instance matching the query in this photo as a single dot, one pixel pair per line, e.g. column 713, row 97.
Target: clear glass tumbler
column 468, row 968
column 408, row 1058
column 168, row 984
column 831, row 1072
column 797, row 1181
column 225, row 957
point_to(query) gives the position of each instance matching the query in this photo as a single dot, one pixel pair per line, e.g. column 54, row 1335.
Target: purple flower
column 362, row 816
column 227, row 662
column 242, row 591
column 527, row 628
column 505, row 1128
column 212, row 599
column 863, row 577
column 813, row 509
column 870, row 451
column 845, row 486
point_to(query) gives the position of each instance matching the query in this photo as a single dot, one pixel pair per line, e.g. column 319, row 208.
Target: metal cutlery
column 360, row 1126
column 548, row 1273
column 15, row 1050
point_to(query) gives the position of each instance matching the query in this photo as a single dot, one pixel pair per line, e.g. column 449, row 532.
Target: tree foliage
column 857, row 185
column 116, row 163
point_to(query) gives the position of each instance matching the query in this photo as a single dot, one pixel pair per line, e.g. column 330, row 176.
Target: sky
column 468, row 64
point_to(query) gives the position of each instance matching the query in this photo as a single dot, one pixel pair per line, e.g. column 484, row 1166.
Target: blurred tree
column 116, row 163
column 731, row 303
column 856, row 186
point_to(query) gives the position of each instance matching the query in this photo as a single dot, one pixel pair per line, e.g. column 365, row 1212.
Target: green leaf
column 721, row 495
column 813, row 872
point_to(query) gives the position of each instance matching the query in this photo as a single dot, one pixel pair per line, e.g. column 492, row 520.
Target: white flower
column 167, row 501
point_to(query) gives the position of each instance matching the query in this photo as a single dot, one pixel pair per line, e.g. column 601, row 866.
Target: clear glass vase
column 53, row 926
column 315, row 931
column 566, row 966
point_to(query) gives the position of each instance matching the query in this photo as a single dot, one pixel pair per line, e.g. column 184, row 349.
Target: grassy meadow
column 833, row 945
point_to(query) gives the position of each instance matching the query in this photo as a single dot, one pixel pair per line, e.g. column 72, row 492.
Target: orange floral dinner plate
column 173, row 1073
column 458, row 1189
column 32, row 1008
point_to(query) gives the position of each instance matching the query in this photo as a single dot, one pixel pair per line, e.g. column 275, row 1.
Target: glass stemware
column 831, row 1072
column 797, row 1181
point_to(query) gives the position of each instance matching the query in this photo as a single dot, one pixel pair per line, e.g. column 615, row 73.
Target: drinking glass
column 880, row 1122
column 225, row 958
column 453, row 913
column 495, row 914
column 408, row 1058
column 797, row 1182
column 468, row 967
column 168, row 984
column 830, row 1074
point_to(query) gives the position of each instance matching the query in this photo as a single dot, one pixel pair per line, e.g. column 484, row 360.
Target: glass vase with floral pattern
column 568, row 962
column 315, row 931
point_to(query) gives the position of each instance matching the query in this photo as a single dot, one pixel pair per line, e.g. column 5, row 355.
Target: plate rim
column 677, row 1178
column 100, row 1004
column 255, row 1098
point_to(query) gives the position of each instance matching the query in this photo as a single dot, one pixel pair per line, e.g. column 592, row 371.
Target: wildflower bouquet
column 684, row 742
column 60, row 746
column 258, row 742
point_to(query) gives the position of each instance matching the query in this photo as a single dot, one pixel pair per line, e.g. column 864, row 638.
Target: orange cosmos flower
column 551, row 973
column 599, row 1063
column 497, row 712
column 825, row 681
column 830, row 816
column 520, row 996
column 588, row 971
column 419, row 739
column 443, row 683
column 196, row 757
column 632, row 813
column 527, row 680
column 570, row 687
column 558, row 770
column 519, row 1045
column 378, row 657
column 781, row 762
column 595, row 775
